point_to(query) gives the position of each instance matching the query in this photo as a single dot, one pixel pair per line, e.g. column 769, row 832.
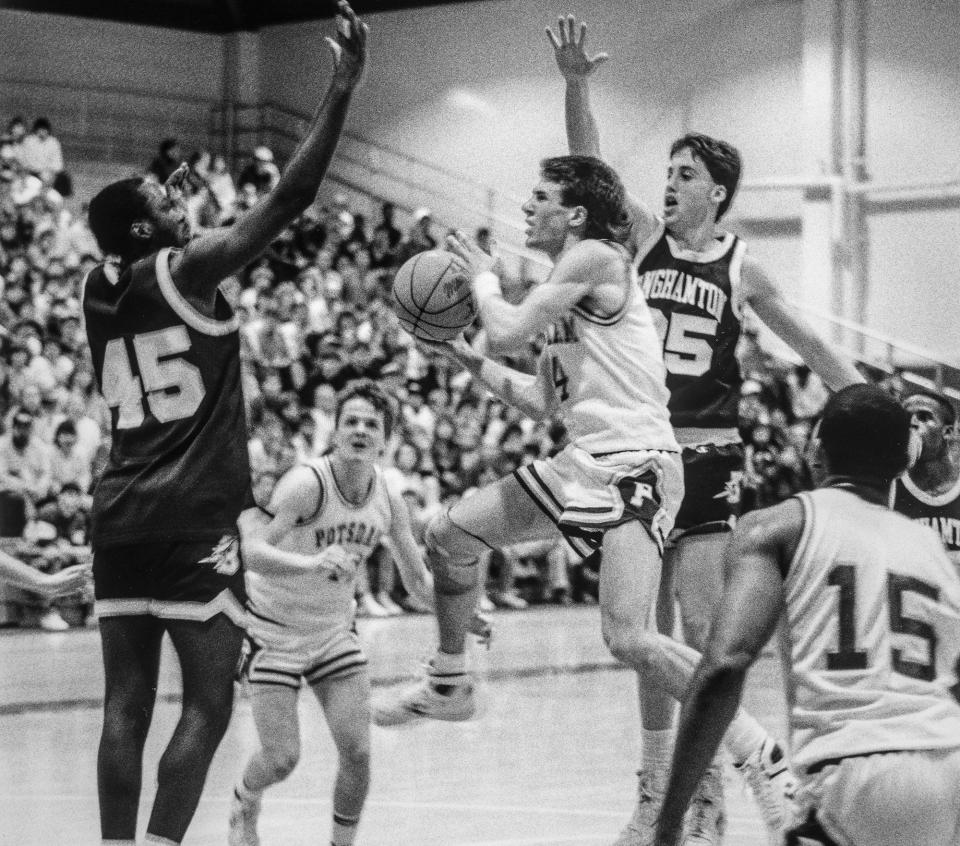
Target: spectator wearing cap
column 42, row 156
column 167, row 160
column 261, row 172
column 419, row 238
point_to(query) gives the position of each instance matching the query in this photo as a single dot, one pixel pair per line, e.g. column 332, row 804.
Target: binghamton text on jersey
column 178, row 466
column 693, row 297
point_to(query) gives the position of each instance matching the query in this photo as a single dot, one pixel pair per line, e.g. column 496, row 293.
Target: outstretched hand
column 453, row 349
column 350, row 46
column 468, row 251
column 68, row 581
column 569, row 49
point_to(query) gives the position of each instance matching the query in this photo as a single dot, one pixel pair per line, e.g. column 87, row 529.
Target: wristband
column 486, row 285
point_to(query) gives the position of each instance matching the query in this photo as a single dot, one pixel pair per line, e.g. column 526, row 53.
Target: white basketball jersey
column 873, row 633
column 608, row 375
column 310, row 606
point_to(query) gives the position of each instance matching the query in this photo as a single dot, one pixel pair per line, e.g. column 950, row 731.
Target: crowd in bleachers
column 315, row 313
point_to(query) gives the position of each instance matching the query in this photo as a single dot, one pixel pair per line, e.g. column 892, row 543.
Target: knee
column 282, row 761
column 630, row 644
column 126, row 714
column 355, row 756
column 453, row 556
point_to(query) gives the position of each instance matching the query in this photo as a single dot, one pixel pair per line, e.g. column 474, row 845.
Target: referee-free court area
column 549, row 761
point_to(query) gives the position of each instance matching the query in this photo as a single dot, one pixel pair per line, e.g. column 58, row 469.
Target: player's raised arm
column 752, row 582
column 764, row 297
column 416, row 578
column 583, row 136
column 208, row 259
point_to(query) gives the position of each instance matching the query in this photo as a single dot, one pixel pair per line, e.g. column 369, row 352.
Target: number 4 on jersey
column 173, row 388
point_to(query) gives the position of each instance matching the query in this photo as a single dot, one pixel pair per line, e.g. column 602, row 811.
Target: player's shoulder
column 595, row 256
column 300, row 489
column 777, row 527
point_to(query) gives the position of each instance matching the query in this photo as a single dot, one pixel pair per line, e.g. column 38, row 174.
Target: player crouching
column 303, row 552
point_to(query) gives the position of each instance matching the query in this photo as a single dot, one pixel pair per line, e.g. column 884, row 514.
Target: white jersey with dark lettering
column 873, row 633
column 305, row 608
column 608, row 375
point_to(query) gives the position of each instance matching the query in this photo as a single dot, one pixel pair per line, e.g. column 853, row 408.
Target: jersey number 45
column 172, row 388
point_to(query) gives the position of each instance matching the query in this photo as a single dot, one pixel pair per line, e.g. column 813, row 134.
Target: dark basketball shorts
column 185, row 580
column 711, row 482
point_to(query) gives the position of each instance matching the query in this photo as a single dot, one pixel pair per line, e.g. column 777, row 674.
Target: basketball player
column 614, row 487
column 165, row 349
column 929, row 492
column 325, row 519
column 871, row 606
column 697, row 280
column 48, row 585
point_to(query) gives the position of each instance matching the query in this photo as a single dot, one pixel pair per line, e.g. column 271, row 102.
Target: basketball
column 432, row 297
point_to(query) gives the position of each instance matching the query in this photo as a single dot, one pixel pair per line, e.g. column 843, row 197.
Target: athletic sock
column 344, row 830
column 445, row 663
column 657, row 752
column 743, row 736
column 157, row 840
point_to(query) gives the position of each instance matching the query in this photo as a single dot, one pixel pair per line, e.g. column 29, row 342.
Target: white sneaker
column 51, row 621
column 367, row 606
column 706, row 818
column 447, row 696
column 772, row 785
column 642, row 828
column 388, row 605
column 243, row 821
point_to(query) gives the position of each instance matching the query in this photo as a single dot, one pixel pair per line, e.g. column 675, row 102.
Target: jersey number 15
column 172, row 388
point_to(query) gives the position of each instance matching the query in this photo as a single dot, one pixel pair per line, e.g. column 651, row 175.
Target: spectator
column 262, row 173
column 42, row 156
column 11, row 143
column 24, row 470
column 69, row 464
column 168, row 159
column 419, row 237
column 221, row 187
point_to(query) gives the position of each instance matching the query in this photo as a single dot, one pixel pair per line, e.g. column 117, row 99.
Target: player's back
column 608, row 375
column 873, row 633
column 940, row 512
column 694, row 298
column 178, row 466
column 313, row 603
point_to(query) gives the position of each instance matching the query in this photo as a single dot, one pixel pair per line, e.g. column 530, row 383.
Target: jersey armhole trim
column 186, row 312
column 321, row 498
column 807, row 505
column 736, row 289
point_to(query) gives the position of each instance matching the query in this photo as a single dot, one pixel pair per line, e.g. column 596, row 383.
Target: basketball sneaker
column 706, row 818
column 243, row 821
column 772, row 784
column 437, row 696
column 642, row 828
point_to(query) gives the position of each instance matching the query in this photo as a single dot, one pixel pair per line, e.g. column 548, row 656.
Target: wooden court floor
column 549, row 761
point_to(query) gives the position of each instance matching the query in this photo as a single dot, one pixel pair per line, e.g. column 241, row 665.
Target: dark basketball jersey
column 694, row 300
column 941, row 513
column 178, row 467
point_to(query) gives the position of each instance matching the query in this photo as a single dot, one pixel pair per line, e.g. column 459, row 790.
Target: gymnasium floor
column 549, row 761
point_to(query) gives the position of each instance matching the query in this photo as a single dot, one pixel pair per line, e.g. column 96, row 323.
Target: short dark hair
column 70, row 487
column 721, row 159
column 367, row 389
column 865, row 432
column 114, row 210
column 949, row 412
column 66, row 427
column 42, row 123
column 586, row 181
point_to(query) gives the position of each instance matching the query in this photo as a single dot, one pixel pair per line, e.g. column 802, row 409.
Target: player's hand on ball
column 481, row 628
column 569, row 49
column 469, row 252
column 350, row 46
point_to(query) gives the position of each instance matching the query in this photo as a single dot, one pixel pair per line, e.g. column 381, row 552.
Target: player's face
column 926, row 419
column 168, row 215
column 360, row 434
column 546, row 217
column 687, row 197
